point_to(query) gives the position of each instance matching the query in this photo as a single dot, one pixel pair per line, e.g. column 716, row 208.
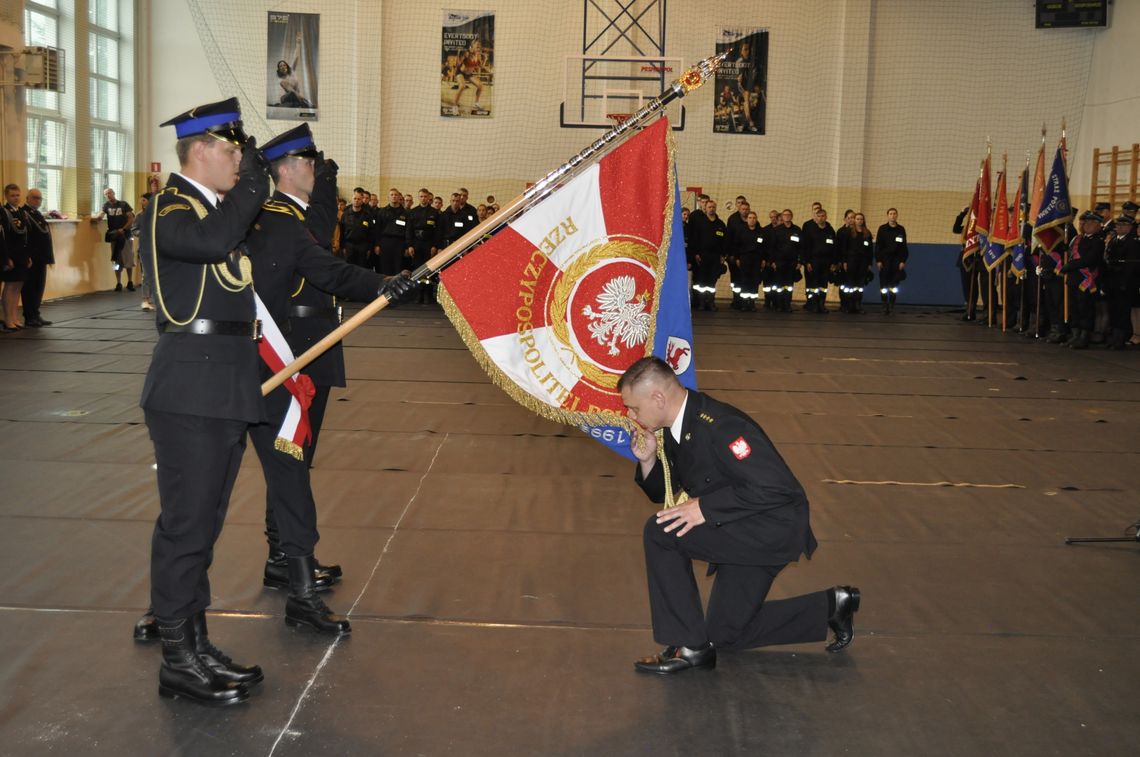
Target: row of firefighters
column 772, row 258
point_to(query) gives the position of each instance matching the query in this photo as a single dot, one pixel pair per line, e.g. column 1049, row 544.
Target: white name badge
column 866, row 243
column 794, row 238
column 459, row 224
column 401, row 222
column 759, row 240
column 899, row 239
column 829, row 241
column 470, row 218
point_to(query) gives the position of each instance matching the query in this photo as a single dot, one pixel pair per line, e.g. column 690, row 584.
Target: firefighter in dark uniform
column 692, row 230
column 710, row 241
column 751, row 252
column 736, row 224
column 856, row 255
column 426, row 227
column 783, row 261
column 1122, row 280
column 201, row 392
column 394, row 236
column 818, row 253
column 1086, row 256
column 731, row 501
column 358, row 231
column 456, row 220
column 286, row 256
column 890, row 258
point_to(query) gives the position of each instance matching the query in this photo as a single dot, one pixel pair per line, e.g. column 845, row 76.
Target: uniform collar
column 297, row 201
column 679, row 421
column 207, row 194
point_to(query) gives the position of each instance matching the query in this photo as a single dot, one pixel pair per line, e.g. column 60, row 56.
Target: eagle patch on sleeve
column 740, row 448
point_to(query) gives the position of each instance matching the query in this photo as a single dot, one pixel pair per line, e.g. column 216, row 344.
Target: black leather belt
column 308, row 311
column 207, row 327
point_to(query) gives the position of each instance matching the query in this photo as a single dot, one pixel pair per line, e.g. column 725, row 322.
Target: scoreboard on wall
column 1060, row 14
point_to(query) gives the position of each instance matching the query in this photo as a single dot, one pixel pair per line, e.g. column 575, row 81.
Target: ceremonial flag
column 1000, row 235
column 985, row 205
column 970, row 240
column 295, row 431
column 1017, row 225
column 560, row 302
column 1038, row 192
column 1055, row 210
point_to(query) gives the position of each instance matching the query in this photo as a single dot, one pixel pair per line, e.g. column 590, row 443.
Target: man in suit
column 732, row 502
column 40, row 247
column 201, row 391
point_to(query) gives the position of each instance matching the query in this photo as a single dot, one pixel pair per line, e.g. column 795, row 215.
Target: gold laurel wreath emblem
column 610, row 249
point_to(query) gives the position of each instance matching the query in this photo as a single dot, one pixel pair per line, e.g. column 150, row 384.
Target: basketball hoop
column 618, row 118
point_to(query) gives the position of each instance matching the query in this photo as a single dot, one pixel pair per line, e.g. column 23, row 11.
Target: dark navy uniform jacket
column 214, row 376
column 744, row 486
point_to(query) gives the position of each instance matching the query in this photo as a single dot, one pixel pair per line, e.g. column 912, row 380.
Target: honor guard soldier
column 358, row 231
column 890, row 258
column 426, row 227
column 201, row 391
column 42, row 254
column 731, row 501
column 394, row 235
column 286, row 257
column 1086, row 256
column 818, row 254
column 1122, row 280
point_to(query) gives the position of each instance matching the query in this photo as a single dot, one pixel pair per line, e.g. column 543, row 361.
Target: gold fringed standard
column 671, row 499
column 289, row 447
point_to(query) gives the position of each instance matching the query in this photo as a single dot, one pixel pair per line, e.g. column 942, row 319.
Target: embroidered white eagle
column 623, row 315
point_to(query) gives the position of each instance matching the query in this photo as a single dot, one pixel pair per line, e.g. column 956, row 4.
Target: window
column 110, row 142
column 47, row 130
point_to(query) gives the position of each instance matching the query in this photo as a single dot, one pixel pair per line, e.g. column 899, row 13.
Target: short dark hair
column 9, row 187
column 646, row 368
column 890, row 209
column 358, row 189
column 182, row 146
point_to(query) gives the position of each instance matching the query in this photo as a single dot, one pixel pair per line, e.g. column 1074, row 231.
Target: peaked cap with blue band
column 221, row 119
column 295, row 143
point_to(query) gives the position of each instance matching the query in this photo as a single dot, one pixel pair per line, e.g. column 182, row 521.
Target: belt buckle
column 340, row 314
column 256, row 333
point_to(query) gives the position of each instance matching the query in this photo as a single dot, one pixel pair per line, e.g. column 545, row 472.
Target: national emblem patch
column 740, row 448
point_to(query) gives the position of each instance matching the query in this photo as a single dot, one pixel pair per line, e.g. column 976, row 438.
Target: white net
column 869, row 104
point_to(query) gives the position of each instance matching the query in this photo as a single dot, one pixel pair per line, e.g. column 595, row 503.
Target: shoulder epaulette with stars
column 706, row 418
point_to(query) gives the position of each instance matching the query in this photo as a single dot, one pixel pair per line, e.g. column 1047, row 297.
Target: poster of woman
column 741, row 82
column 468, row 64
column 291, row 71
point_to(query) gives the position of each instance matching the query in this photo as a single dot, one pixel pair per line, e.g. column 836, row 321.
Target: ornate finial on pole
column 702, row 72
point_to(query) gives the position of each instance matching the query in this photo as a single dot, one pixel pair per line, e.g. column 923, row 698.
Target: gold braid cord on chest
column 671, row 499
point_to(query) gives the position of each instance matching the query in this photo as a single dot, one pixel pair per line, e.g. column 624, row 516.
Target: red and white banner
column 295, row 431
column 561, row 301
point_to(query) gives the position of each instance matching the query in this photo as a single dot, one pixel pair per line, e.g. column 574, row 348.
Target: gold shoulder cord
column 671, row 500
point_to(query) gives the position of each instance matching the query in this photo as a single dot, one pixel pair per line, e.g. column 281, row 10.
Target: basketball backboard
column 598, row 87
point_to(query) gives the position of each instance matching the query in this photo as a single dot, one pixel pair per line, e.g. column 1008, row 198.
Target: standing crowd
column 25, row 254
column 770, row 259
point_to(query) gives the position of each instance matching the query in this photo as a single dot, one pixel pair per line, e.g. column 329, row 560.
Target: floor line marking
column 962, row 484
column 332, row 647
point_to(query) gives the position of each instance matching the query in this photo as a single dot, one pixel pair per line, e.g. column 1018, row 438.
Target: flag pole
column 690, row 80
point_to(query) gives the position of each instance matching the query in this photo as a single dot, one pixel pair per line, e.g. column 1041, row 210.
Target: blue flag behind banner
column 1055, row 208
column 1023, row 229
column 673, row 341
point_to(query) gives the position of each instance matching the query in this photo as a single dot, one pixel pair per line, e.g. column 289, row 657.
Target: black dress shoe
column 185, row 675
column 146, row 628
column 676, row 659
column 844, row 603
column 219, row 662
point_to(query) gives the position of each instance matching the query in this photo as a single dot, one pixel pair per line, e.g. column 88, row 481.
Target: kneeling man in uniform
column 732, row 502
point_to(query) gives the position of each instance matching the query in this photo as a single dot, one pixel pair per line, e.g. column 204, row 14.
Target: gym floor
column 493, row 564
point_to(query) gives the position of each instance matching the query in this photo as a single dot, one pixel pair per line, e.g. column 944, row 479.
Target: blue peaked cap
column 221, row 119
column 295, row 143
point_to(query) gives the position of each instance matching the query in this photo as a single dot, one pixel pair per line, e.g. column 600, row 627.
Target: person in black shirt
column 751, row 253
column 394, row 235
column 1086, row 256
column 120, row 215
column 857, row 253
column 425, row 223
column 42, row 255
column 818, row 253
column 710, row 239
column 1122, row 280
column 358, row 231
column 735, row 225
column 16, row 260
column 890, row 258
column 783, row 261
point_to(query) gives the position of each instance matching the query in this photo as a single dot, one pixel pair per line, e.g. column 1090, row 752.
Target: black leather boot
column 146, row 627
column 276, row 575
column 185, row 674
column 219, row 662
column 304, row 607
column 843, row 603
column 1081, row 341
